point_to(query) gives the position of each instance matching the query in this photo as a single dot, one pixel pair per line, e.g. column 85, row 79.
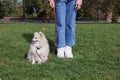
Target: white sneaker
column 60, row 52
column 68, row 52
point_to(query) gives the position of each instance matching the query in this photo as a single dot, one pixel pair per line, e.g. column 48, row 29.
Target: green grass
column 96, row 53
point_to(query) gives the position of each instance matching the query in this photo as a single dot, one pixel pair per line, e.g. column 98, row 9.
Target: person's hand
column 77, row 6
column 52, row 3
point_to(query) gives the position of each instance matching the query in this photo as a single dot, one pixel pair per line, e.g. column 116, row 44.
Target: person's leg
column 70, row 27
column 70, row 23
column 60, row 10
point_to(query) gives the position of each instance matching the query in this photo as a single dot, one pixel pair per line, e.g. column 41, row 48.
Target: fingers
column 77, row 6
column 52, row 4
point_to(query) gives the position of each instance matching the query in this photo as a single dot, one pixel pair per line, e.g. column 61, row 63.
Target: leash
column 38, row 54
column 54, row 51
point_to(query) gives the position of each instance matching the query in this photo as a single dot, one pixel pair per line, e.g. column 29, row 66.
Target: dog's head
column 39, row 37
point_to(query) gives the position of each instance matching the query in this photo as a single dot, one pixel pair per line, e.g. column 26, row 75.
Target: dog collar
column 38, row 47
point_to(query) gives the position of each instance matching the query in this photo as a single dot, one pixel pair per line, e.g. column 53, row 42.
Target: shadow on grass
column 28, row 37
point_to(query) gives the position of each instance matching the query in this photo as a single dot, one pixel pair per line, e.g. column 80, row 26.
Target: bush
column 2, row 11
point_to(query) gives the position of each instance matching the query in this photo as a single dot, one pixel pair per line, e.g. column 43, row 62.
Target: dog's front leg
column 33, row 60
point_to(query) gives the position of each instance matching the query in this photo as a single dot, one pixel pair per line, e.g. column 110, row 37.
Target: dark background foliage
column 91, row 9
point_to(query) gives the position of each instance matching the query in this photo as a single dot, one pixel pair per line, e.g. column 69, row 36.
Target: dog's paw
column 39, row 62
column 33, row 62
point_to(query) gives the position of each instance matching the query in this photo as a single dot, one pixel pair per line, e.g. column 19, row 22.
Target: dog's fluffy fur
column 39, row 48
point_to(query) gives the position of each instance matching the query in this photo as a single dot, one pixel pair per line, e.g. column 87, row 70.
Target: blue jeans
column 65, row 22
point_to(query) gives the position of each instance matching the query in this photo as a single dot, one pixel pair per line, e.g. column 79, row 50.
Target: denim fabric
column 65, row 22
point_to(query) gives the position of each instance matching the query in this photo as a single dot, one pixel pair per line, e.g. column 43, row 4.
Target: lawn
column 96, row 53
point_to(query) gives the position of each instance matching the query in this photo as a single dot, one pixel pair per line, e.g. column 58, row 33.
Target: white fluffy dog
column 39, row 48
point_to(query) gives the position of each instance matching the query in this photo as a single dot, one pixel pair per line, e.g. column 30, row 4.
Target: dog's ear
column 41, row 34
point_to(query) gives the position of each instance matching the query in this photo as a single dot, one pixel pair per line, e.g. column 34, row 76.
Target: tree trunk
column 109, row 16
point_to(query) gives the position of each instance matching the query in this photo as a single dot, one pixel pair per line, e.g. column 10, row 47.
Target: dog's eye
column 35, row 37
